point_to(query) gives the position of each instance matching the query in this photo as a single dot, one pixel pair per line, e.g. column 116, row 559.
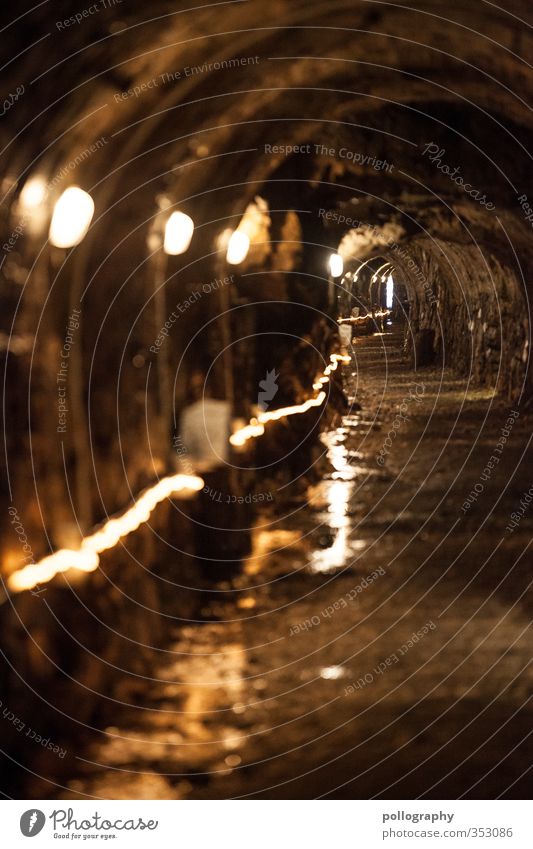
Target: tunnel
column 265, row 344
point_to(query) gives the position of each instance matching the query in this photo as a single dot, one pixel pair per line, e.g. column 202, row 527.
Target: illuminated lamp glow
column 250, row 431
column 336, row 265
column 238, row 247
column 256, row 426
column 389, row 292
column 72, row 218
column 367, row 317
column 86, row 559
column 33, row 193
column 46, row 569
column 178, row 233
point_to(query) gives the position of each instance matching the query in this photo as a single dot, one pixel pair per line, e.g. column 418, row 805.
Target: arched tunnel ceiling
column 310, row 68
column 383, row 78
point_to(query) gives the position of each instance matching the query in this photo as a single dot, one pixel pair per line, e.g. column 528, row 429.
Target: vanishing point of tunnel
column 267, row 491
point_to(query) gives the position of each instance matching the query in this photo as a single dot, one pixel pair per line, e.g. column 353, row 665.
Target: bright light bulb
column 178, row 233
column 33, row 193
column 238, row 247
column 389, row 292
column 33, row 207
column 72, row 218
column 336, row 265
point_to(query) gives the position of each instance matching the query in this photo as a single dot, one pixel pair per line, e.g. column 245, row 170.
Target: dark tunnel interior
column 265, row 345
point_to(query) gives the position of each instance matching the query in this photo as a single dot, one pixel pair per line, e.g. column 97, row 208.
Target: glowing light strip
column 368, row 317
column 85, row 559
column 257, row 425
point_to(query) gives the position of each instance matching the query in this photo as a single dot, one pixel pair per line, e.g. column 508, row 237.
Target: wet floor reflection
column 336, row 491
column 264, row 696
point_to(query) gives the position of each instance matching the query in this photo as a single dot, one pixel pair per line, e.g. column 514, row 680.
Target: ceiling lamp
column 178, row 233
column 336, row 265
column 72, row 218
column 238, row 247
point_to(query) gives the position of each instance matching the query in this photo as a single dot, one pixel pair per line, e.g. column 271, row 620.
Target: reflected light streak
column 256, row 425
column 85, row 559
column 334, row 557
column 338, row 492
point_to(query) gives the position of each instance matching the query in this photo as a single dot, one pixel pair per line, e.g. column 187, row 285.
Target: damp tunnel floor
column 375, row 643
